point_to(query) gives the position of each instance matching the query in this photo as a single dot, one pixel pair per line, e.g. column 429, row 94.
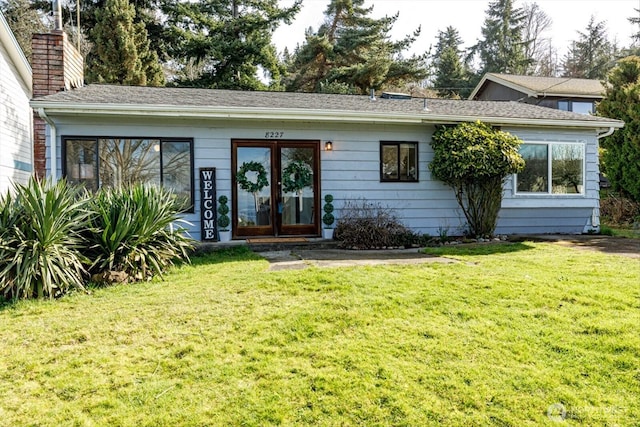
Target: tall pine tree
column 122, row 53
column 352, row 52
column 226, row 43
column 502, row 49
column 451, row 73
column 592, row 55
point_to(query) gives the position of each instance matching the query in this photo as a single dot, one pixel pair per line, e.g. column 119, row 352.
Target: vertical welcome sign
column 208, row 217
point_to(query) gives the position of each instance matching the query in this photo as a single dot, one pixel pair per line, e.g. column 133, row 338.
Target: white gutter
column 606, row 133
column 264, row 113
column 52, row 136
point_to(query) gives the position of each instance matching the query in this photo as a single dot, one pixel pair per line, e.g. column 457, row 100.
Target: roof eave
column 511, row 121
column 198, row 112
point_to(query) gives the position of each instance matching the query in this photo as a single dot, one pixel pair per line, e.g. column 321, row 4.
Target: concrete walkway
column 298, row 259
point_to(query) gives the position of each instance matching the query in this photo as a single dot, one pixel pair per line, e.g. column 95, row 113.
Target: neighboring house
column 263, row 146
column 562, row 93
column 16, row 137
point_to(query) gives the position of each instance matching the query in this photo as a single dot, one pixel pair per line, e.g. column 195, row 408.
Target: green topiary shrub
column 40, row 240
column 133, row 230
column 223, row 213
column 328, row 219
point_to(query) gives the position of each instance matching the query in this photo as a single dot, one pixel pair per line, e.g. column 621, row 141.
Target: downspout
column 52, row 144
column 606, row 133
column 595, row 214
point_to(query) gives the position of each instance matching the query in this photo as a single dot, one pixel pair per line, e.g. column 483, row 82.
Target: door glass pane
column 253, row 178
column 297, row 202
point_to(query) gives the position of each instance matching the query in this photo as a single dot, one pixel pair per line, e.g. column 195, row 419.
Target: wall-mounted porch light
column 328, row 146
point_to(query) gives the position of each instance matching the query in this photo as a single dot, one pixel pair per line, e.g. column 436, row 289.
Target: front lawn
column 510, row 335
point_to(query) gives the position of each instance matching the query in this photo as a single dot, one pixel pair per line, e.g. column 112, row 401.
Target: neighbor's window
column 111, row 162
column 580, row 107
column 398, row 161
column 552, row 168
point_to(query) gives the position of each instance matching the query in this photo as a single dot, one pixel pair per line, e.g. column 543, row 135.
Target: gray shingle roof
column 97, row 97
column 553, row 86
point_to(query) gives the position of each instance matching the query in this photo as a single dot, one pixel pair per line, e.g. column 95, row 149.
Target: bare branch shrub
column 367, row 225
column 618, row 210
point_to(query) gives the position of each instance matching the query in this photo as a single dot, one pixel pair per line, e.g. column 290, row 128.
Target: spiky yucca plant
column 133, row 231
column 40, row 239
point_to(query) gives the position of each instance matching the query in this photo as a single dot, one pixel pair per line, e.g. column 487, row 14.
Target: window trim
column 570, row 103
column 397, row 144
column 549, row 192
column 162, row 140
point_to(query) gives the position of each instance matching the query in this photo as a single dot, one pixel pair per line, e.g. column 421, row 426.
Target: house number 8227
column 274, row 134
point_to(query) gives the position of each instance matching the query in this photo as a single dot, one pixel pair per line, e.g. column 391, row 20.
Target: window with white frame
column 96, row 162
column 552, row 168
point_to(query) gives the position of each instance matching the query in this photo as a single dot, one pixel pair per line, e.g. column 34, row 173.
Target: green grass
column 494, row 339
column 629, row 233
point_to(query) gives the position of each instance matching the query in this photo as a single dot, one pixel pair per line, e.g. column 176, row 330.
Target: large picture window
column 398, row 161
column 111, row 162
column 552, row 168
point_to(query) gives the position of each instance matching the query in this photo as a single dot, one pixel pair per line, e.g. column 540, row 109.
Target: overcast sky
column 467, row 16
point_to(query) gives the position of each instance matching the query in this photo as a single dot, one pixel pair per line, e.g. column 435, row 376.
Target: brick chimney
column 57, row 66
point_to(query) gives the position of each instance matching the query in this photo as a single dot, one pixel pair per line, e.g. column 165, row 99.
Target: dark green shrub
column 364, row 225
column 474, row 159
column 40, row 241
column 133, row 230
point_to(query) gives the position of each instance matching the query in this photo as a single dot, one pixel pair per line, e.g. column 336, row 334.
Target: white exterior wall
column 16, row 149
column 352, row 169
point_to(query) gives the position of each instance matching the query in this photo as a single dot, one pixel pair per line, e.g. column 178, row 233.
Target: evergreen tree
column 353, row 53
column 621, row 158
column 635, row 20
column 24, row 20
column 451, row 73
column 592, row 55
column 502, row 49
column 122, row 53
column 230, row 39
column 147, row 12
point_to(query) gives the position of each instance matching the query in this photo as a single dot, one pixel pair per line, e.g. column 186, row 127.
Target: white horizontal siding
column 15, row 125
column 352, row 170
